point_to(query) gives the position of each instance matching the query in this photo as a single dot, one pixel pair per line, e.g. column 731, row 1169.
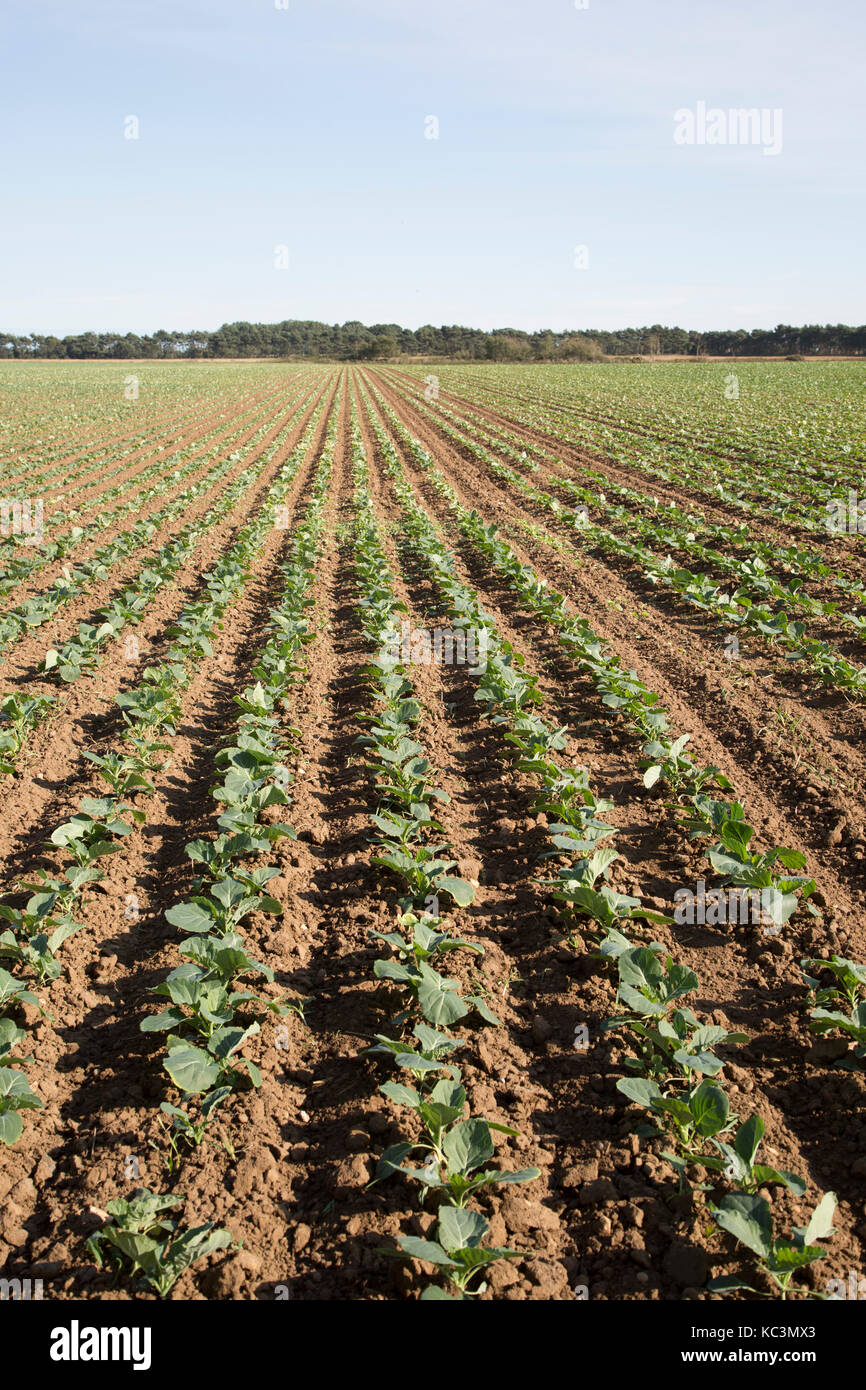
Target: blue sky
column 304, row 127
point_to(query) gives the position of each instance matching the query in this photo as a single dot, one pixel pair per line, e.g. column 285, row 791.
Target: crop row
column 663, row 752
column 82, row 653
column 209, row 998
column 456, row 1146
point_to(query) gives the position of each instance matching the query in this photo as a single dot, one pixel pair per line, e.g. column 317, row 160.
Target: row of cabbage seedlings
column 838, row 982
column 674, row 528
column 36, row 931
column 253, row 776
column 150, row 713
column 769, row 896
column 512, row 694
column 675, row 1075
column 20, row 558
column 454, row 1148
column 207, row 994
column 671, row 527
column 70, row 455
column 37, row 610
column 676, row 1071
column 208, row 998
column 138, row 1229
column 739, row 610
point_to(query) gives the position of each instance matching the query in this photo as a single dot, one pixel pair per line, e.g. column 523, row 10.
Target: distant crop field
column 433, row 820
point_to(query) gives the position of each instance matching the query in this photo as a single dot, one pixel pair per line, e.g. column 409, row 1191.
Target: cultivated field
column 453, row 770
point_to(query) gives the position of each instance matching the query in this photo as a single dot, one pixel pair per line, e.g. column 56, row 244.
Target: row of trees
column 355, row 341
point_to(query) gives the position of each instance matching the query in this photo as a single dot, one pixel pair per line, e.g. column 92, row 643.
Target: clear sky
column 304, row 127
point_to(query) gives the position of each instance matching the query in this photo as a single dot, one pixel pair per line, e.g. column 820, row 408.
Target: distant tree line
column 354, row 342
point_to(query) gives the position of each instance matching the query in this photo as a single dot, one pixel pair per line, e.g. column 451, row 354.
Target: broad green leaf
column 467, row 1146
column 428, row 1250
column 459, row 889
column 191, row 1069
column 459, row 1227
column 189, row 917
column 747, row 1216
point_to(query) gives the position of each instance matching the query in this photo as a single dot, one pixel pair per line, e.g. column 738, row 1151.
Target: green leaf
column 189, row 917
column 11, row 1127
column 748, row 1138
column 483, row 1011
column 400, row 1094
column 747, row 1216
column 820, row 1226
column 160, row 1023
column 467, row 1146
column 391, row 1160
column 728, row 1283
column 459, row 889
column 639, row 1090
column 191, row 1069
column 418, row 1249
column 438, row 998
column 459, row 1227
column 710, row 1108
column 764, row 1175
column 790, row 1256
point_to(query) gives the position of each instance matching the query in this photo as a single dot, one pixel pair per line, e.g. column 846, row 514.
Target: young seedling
column 230, row 901
column 422, row 1061
column 458, row 1252
column 437, row 997
column 13, row 994
column 88, row 835
column 679, row 1044
column 224, row 958
column 37, row 951
column 10, row 1037
column 649, row 982
column 693, row 1117
column 123, row 772
column 186, row 1130
column 604, row 906
column 662, row 759
column 737, row 865
column 457, row 1148
column 82, row 652
column 144, row 1238
column 17, row 717
column 749, row 1218
column 196, row 1071
column 853, row 1025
